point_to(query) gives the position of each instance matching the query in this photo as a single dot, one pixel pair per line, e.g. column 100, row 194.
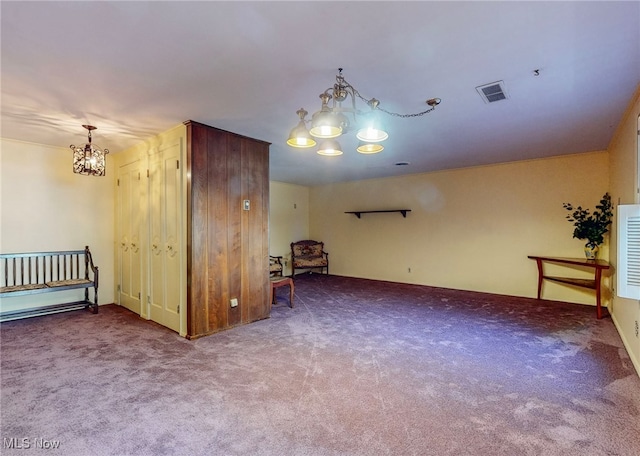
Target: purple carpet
column 357, row 367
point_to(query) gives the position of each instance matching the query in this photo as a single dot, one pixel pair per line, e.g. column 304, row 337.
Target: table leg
column 598, row 302
column 540, row 276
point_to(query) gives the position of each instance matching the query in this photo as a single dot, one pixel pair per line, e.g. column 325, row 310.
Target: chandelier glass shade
column 333, row 120
column 330, row 147
column 369, row 148
column 372, row 130
column 299, row 136
column 89, row 159
column 372, row 134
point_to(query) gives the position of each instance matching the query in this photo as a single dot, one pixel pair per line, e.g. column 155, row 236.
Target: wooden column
column 227, row 246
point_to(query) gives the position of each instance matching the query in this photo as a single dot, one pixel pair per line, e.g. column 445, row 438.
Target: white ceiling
column 136, row 69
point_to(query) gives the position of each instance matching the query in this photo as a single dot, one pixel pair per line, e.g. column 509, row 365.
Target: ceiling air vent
column 492, row 92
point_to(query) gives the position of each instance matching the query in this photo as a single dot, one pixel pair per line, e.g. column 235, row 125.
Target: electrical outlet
column 636, row 328
column 409, row 270
column 234, row 302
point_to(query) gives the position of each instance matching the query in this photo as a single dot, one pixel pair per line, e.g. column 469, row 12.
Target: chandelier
column 333, row 121
column 89, row 159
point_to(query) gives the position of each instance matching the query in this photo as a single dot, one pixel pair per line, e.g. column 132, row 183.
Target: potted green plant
column 591, row 226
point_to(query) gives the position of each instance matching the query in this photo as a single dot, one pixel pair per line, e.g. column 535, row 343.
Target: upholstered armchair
column 310, row 255
column 275, row 266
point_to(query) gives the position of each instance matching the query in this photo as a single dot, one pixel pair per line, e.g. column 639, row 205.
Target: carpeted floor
column 358, row 367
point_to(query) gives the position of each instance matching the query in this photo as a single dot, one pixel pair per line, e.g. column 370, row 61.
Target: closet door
column 129, row 225
column 165, row 226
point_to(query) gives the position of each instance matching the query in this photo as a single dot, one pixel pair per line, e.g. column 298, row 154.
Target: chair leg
column 291, row 294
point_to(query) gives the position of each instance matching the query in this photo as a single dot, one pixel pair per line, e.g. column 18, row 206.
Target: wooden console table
column 594, row 284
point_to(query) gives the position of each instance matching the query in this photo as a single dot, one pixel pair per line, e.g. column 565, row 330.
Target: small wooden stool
column 281, row 282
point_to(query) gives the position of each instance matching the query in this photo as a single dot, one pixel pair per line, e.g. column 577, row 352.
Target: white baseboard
column 627, row 345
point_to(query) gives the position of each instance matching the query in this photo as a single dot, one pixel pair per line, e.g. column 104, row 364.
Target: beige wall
column 288, row 218
column 45, row 206
column 469, row 229
column 624, row 151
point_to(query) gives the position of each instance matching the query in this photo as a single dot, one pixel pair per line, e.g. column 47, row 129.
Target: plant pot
column 591, row 250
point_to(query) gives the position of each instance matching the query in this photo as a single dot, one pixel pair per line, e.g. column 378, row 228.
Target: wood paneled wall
column 227, row 246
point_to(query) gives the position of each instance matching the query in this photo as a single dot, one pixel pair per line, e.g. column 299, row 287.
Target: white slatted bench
column 42, row 272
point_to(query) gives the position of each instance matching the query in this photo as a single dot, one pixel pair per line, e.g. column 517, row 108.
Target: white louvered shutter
column 629, row 251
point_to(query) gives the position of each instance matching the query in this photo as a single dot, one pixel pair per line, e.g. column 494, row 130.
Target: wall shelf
column 359, row 213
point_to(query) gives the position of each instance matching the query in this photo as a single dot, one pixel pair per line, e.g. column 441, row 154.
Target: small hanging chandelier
column 89, row 159
column 330, row 122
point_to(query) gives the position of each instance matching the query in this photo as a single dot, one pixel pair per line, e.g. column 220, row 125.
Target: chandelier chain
column 394, row 114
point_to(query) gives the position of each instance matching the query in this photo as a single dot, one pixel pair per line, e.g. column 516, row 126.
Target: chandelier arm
column 327, row 92
column 354, row 108
column 354, row 93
